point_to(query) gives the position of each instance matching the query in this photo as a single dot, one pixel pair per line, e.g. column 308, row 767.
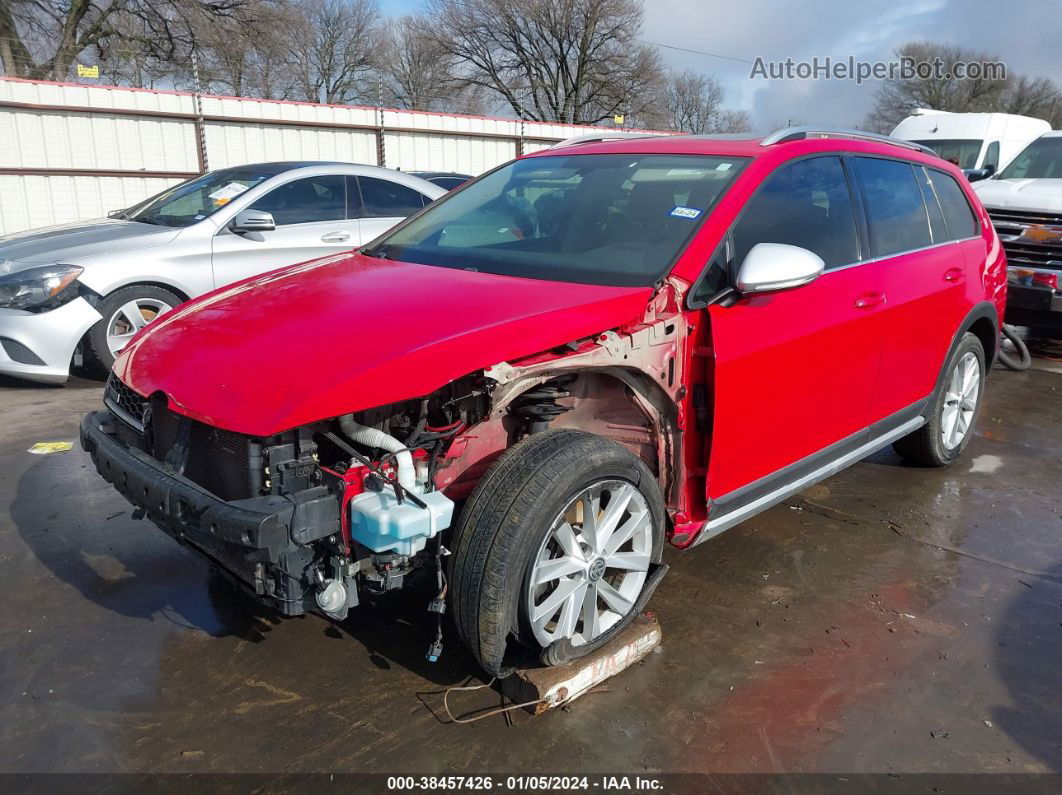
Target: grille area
column 218, row 460
column 1031, row 240
column 19, row 352
column 124, row 402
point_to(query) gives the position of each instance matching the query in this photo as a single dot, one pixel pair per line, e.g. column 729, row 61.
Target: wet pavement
column 890, row 619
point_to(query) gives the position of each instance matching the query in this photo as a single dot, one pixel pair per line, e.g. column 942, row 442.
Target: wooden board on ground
column 562, row 684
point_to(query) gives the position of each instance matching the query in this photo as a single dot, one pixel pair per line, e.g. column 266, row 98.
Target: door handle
column 868, row 300
column 336, row 237
column 953, row 275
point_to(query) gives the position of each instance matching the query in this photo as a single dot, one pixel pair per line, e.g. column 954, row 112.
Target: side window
column 962, row 223
column 992, row 156
column 929, row 196
column 896, row 214
column 382, row 198
column 806, row 204
column 715, row 276
column 306, row 200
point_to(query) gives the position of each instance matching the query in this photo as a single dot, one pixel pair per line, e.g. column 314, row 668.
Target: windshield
column 192, row 201
column 593, row 219
column 962, row 152
column 1042, row 159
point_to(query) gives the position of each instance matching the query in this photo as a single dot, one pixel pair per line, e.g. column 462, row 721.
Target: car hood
column 1034, row 195
column 71, row 242
column 346, row 333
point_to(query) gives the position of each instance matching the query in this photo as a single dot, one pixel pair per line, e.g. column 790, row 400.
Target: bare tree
column 898, row 96
column 694, row 103
column 551, row 60
column 415, row 70
column 1033, row 96
column 333, row 49
column 247, row 56
column 42, row 38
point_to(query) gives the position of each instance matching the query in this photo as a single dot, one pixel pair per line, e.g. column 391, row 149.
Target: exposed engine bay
column 323, row 516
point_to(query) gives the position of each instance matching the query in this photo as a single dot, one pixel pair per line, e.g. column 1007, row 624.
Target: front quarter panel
column 182, row 265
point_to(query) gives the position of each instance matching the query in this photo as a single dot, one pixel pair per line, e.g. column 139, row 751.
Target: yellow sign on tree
column 618, row 118
column 88, row 71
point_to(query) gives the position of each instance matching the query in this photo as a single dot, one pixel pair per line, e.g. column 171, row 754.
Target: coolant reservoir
column 379, row 522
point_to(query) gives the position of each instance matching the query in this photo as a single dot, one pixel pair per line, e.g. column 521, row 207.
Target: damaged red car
column 532, row 385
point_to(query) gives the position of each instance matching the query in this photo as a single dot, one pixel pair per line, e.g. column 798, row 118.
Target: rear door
column 384, row 203
column 794, row 370
column 311, row 221
column 925, row 272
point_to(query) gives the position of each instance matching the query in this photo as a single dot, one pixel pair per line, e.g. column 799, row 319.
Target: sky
column 1022, row 33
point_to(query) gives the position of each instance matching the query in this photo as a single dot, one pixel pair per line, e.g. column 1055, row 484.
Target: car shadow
column 1028, row 651
column 81, row 530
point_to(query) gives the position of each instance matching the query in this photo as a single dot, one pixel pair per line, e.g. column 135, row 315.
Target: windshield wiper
column 375, row 253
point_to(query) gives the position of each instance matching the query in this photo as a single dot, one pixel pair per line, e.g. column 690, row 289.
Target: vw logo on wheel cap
column 597, row 568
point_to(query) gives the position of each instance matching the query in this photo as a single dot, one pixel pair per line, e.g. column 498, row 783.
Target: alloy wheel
column 960, row 401
column 592, row 564
column 129, row 318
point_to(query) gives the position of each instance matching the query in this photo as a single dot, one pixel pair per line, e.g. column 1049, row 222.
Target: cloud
column 871, row 31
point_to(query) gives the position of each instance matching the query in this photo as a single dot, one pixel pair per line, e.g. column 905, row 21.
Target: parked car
column 981, row 143
column 1025, row 203
column 539, row 380
column 96, row 283
column 444, row 179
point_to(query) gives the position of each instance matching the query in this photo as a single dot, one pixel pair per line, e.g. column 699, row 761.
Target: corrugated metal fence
column 71, row 152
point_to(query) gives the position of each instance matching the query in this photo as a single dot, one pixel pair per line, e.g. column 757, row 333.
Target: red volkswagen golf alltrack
column 534, row 383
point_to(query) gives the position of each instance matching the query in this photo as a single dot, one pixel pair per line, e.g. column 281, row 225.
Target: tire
column 148, row 298
column 506, row 534
column 934, row 444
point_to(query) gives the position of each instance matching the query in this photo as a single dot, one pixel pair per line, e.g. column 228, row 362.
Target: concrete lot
column 890, row 619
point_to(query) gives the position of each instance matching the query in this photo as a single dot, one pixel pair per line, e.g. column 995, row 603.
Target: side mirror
column 978, row 174
column 769, row 267
column 252, row 221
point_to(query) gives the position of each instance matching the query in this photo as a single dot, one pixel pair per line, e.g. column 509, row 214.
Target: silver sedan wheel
column 592, row 564
column 960, row 401
column 129, row 318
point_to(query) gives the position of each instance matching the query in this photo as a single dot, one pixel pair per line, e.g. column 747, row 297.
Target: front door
column 794, row 370
column 311, row 221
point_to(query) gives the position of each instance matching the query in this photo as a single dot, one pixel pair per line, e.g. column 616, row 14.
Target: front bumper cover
column 249, row 540
column 50, row 337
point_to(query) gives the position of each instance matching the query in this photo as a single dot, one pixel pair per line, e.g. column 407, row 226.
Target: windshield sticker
column 685, row 212
column 228, row 193
column 723, row 167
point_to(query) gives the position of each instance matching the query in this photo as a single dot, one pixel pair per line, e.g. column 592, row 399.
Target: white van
column 977, row 140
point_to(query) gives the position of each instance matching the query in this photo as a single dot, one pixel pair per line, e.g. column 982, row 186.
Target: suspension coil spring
column 538, row 406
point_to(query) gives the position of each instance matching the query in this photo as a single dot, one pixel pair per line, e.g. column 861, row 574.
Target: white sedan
column 94, row 284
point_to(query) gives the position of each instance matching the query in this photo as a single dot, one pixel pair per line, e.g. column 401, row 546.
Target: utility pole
column 200, row 127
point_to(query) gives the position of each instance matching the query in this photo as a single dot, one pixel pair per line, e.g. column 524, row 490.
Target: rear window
column 962, row 223
column 896, row 216
column 382, row 198
column 610, row 219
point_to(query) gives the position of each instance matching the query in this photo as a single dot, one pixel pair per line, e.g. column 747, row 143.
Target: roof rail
column 594, row 138
column 787, row 134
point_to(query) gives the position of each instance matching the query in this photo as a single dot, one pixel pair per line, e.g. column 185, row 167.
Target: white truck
column 1024, row 201
column 981, row 143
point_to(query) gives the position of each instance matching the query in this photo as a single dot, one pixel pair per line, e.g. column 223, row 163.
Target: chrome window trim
column 899, row 254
